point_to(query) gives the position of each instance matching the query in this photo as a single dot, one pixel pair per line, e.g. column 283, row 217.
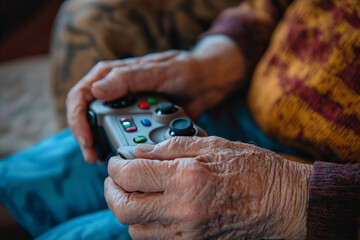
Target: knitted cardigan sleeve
column 334, row 201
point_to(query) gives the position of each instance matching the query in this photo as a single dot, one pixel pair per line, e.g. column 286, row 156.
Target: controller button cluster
column 140, row 139
column 146, row 122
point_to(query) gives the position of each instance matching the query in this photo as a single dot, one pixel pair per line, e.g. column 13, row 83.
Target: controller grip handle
column 102, row 147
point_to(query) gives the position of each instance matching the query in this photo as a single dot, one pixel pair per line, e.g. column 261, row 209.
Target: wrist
column 291, row 201
column 220, row 58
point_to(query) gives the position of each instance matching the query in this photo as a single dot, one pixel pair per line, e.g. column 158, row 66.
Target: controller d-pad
column 128, row 100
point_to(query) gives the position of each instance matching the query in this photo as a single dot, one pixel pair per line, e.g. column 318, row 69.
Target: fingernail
column 145, row 147
column 103, row 85
column 81, row 141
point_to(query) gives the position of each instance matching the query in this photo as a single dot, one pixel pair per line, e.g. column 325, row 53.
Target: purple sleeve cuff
column 334, row 201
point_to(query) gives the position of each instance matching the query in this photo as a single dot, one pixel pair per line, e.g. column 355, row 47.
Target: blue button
column 146, row 122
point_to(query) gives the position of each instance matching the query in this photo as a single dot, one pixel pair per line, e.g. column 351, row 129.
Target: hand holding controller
column 118, row 126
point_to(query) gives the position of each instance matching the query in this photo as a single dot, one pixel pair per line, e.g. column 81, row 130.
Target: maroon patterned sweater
column 334, row 192
column 334, row 201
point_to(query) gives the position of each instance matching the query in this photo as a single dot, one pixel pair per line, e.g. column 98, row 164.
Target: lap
column 50, row 183
column 99, row 225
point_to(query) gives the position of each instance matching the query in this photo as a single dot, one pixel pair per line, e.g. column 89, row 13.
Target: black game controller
column 119, row 126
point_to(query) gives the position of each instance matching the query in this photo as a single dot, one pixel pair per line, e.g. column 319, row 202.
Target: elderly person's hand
column 200, row 78
column 208, row 188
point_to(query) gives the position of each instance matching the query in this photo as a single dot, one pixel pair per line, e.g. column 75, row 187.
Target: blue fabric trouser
column 53, row 193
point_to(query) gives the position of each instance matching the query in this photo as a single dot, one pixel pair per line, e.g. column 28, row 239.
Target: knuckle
column 76, row 92
column 71, row 94
column 73, row 116
column 193, row 175
column 128, row 175
column 76, row 111
column 124, row 72
column 218, row 142
column 176, row 141
column 133, row 232
column 101, row 65
column 192, row 214
column 125, row 210
column 106, row 185
column 112, row 166
column 115, row 77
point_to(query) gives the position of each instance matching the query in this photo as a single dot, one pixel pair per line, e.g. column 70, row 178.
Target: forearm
column 221, row 58
column 287, row 197
column 250, row 26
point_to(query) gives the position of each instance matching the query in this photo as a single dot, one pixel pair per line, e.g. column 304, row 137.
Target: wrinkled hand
column 200, row 78
column 195, row 188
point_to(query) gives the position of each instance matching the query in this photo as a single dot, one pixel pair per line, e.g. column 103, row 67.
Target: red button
column 144, row 105
column 131, row 129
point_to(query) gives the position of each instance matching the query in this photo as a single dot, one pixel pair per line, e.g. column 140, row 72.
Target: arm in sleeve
column 250, row 26
column 334, row 201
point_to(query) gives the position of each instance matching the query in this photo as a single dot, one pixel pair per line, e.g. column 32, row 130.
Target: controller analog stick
column 181, row 127
column 166, row 108
column 122, row 102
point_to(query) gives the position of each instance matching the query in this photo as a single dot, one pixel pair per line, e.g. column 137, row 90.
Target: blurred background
column 26, row 113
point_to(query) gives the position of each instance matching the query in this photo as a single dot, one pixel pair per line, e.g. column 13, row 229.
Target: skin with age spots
column 216, row 188
column 87, row 32
column 183, row 75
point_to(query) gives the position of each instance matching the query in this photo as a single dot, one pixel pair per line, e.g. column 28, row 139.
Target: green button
column 151, row 100
column 127, row 124
column 140, row 139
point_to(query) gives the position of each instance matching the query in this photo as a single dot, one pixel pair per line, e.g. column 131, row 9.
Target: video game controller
column 119, row 126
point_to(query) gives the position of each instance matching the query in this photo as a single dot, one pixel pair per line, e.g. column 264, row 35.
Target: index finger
column 77, row 104
column 101, row 69
column 135, row 207
column 142, row 175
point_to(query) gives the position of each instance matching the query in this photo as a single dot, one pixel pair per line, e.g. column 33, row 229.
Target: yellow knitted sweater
column 304, row 57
